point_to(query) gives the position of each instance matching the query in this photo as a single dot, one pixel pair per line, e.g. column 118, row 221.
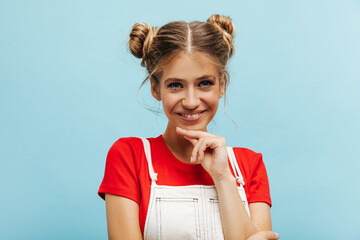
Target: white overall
column 186, row 212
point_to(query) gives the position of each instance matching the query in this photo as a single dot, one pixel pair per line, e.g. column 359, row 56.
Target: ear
column 222, row 86
column 155, row 89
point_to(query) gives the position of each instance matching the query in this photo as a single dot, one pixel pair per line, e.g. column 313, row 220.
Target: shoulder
column 255, row 176
column 130, row 147
column 127, row 142
column 132, row 144
column 123, row 164
column 246, row 154
column 125, row 149
column 249, row 160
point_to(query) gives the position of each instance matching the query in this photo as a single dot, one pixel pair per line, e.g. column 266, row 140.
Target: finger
column 192, row 133
column 271, row 235
column 195, row 151
column 192, row 140
column 202, row 147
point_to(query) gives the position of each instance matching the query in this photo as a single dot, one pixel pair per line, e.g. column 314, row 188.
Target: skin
column 190, row 85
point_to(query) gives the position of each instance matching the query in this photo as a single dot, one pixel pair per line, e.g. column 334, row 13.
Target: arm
column 210, row 151
column 260, row 223
column 120, row 190
column 261, row 218
column 122, row 218
column 236, row 223
column 236, row 220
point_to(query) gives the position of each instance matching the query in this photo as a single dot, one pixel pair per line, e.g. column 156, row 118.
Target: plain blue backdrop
column 69, row 89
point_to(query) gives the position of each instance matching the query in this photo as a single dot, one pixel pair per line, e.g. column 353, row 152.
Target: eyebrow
column 181, row 80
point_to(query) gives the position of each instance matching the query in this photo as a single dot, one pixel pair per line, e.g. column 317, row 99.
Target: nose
column 191, row 99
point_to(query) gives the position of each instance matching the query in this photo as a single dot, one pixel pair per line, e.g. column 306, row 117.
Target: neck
column 177, row 144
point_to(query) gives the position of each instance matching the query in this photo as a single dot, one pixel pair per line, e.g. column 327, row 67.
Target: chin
column 193, row 127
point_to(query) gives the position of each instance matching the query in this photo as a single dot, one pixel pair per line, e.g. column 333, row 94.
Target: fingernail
column 199, row 158
column 191, row 159
column 178, row 128
column 277, row 235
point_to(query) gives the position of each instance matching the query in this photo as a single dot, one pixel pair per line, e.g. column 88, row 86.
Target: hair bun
column 224, row 23
column 226, row 26
column 141, row 37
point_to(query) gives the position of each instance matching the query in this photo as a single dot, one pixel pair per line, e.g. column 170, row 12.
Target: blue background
column 69, row 89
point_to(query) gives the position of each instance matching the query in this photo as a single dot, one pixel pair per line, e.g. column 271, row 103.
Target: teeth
column 190, row 115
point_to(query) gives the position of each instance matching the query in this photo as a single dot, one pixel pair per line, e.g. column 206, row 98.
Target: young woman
column 185, row 183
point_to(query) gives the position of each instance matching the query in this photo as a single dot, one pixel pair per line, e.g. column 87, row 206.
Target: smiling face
column 189, row 89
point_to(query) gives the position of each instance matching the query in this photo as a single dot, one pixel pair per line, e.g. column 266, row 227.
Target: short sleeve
column 259, row 190
column 121, row 176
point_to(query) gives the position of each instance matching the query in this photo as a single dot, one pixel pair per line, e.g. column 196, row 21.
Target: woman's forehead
column 189, row 66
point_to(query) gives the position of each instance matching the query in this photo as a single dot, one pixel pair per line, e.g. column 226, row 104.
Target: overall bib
column 186, row 212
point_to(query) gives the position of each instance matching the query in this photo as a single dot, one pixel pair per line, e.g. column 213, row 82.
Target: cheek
column 213, row 98
column 168, row 101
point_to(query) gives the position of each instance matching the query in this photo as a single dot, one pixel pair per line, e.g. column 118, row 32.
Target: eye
column 206, row 84
column 174, row 85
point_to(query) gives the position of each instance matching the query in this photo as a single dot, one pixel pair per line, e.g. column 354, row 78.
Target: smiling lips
column 191, row 116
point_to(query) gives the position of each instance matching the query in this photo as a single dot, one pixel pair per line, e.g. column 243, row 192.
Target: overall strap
column 235, row 166
column 147, row 149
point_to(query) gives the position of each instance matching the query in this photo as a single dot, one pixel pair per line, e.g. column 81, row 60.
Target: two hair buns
column 142, row 35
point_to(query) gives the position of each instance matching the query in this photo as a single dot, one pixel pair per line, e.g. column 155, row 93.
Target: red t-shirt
column 127, row 173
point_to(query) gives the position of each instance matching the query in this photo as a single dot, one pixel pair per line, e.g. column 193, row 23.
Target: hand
column 209, row 150
column 264, row 235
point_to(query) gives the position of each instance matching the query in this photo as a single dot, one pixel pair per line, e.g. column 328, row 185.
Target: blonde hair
column 157, row 47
